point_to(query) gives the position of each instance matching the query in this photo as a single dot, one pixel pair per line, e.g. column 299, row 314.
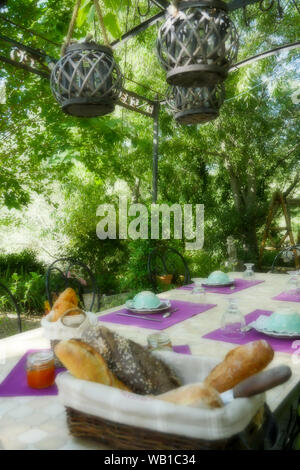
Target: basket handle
column 73, row 23
column 74, row 309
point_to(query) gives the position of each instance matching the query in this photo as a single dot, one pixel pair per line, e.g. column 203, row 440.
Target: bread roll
column 239, row 364
column 197, row 395
column 60, row 307
column 85, row 363
column 132, row 363
column 66, row 300
column 69, row 295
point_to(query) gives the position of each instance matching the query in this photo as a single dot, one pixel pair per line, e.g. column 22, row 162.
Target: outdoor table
column 40, row 422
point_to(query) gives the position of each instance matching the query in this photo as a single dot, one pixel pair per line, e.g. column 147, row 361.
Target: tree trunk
column 245, row 202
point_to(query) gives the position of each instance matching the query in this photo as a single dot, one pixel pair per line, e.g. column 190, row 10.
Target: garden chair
column 167, row 266
column 70, row 272
column 12, row 302
column 289, row 253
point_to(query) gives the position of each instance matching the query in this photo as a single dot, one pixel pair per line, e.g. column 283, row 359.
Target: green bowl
column 146, row 299
column 218, row 277
column 284, row 320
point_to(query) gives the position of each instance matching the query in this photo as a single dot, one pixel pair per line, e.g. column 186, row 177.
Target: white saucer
column 164, row 305
column 225, row 284
column 275, row 334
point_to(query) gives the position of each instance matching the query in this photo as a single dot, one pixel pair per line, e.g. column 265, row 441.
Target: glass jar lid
column 159, row 340
column 40, row 359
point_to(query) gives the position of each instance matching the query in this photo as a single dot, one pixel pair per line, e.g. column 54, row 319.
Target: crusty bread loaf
column 66, row 301
column 239, row 364
column 85, row 363
column 60, row 308
column 197, row 395
column 132, row 363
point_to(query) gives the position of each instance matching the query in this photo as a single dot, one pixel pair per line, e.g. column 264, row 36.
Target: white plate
column 164, row 305
column 274, row 334
column 225, row 284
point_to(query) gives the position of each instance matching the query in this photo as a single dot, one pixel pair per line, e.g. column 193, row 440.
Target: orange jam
column 40, row 369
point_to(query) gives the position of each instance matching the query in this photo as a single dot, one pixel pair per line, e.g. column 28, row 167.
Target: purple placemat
column 182, row 349
column 240, row 284
column 185, row 310
column 291, row 296
column 15, row 384
column 278, row 344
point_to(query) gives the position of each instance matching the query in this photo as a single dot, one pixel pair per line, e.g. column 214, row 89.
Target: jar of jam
column 158, row 341
column 40, row 369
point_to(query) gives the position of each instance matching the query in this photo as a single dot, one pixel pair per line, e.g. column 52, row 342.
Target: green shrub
column 24, row 275
column 134, row 274
column 106, row 259
column 24, row 262
column 29, row 291
column 134, row 277
column 201, row 263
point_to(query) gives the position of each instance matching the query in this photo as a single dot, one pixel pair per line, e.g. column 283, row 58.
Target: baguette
column 197, row 395
column 85, row 363
column 132, row 363
column 239, row 364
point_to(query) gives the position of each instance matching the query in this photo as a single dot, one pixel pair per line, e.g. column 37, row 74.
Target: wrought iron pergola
column 40, row 63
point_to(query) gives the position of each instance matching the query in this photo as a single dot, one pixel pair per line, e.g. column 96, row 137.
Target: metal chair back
column 292, row 251
column 70, row 271
column 167, row 261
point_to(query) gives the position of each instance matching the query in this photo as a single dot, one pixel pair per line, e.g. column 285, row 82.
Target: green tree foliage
column 231, row 165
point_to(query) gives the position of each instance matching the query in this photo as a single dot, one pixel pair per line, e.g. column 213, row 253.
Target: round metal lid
column 89, row 46
column 196, row 75
column 204, row 3
column 78, row 108
column 196, row 116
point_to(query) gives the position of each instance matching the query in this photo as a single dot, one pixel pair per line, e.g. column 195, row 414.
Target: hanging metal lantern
column 195, row 105
column 197, row 43
column 86, row 81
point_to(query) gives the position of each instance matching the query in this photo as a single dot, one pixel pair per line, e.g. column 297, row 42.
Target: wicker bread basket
column 123, row 420
column 124, row 437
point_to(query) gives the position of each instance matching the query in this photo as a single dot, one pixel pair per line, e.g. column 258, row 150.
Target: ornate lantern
column 197, row 43
column 195, row 105
column 86, row 81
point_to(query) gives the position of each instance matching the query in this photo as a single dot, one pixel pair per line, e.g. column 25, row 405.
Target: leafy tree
column 231, row 165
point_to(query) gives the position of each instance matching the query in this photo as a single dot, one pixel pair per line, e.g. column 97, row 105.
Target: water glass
column 293, row 283
column 233, row 323
column 248, row 273
column 199, row 289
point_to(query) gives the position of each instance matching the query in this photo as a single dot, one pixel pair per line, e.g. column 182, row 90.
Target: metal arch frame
column 154, row 112
column 164, row 4
column 71, row 262
column 128, row 99
column 15, row 304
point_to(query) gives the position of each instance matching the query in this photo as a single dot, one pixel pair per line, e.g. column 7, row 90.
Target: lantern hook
column 73, row 22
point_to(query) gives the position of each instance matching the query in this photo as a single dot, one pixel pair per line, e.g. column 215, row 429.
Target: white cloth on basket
column 58, row 331
column 145, row 412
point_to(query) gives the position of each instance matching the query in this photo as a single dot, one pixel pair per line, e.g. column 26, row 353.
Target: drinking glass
column 293, row 283
column 199, row 289
column 248, row 273
column 233, row 322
